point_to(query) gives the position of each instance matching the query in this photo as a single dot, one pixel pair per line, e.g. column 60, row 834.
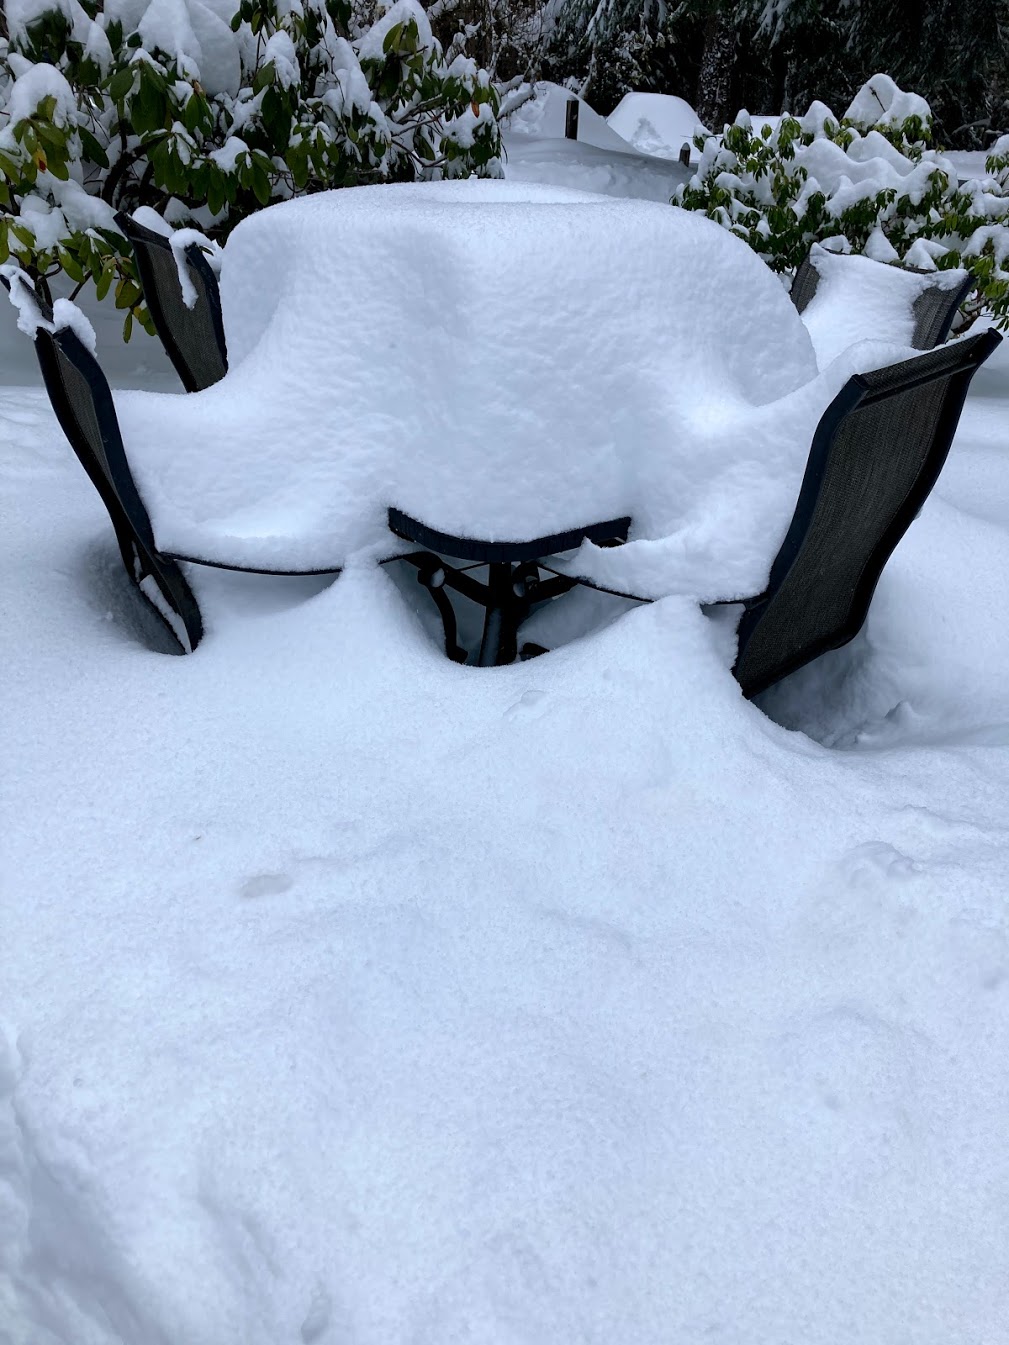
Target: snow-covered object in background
column 858, row 299
column 582, row 167
column 499, row 360
column 655, row 123
column 881, row 102
column 543, row 118
column 600, row 160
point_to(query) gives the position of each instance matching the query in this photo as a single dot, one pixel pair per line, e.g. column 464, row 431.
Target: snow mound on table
column 655, row 123
column 499, row 360
column 858, row 299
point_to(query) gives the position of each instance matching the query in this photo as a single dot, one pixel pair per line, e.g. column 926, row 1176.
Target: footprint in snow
column 530, row 705
column 866, row 864
column 267, row 885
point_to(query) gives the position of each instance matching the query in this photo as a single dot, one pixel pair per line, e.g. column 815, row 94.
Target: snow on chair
column 193, row 337
column 81, row 398
column 865, row 295
column 876, row 454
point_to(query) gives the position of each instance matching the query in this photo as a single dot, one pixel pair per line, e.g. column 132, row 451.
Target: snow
column 350, row 995
column 166, row 27
column 292, row 460
column 32, row 87
column 881, row 101
column 655, row 123
column 584, row 167
column 67, row 315
column 969, row 164
column 21, row 294
column 182, row 240
column 544, row 118
column 371, row 45
column 867, row 167
column 861, row 299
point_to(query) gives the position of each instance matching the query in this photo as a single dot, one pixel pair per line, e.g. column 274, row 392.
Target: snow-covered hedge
column 206, row 110
column 868, row 182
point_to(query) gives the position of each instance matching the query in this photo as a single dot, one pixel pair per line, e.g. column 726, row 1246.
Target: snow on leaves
column 868, row 182
column 206, row 110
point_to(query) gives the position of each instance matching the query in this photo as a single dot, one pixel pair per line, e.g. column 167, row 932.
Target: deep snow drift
column 349, row 995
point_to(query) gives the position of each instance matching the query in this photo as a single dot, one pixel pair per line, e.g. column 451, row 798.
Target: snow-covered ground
column 351, row 996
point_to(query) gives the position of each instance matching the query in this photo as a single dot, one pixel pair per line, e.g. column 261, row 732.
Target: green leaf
column 92, row 149
column 104, row 280
column 121, row 84
column 261, row 186
column 72, row 267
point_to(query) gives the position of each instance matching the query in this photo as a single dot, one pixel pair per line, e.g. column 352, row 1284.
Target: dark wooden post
column 571, row 119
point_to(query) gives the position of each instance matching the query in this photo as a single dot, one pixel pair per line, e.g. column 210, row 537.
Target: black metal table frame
column 514, row 584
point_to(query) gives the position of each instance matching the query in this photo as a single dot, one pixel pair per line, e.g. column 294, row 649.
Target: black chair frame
column 114, row 482
column 144, row 242
column 861, row 391
column 928, row 333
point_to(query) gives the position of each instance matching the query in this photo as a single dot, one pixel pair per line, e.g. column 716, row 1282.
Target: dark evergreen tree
column 775, row 55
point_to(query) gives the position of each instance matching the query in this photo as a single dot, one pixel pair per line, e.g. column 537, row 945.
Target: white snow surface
column 583, row 167
column 506, row 363
column 655, row 123
column 859, row 299
column 352, row 997
column 600, row 161
column 544, row 117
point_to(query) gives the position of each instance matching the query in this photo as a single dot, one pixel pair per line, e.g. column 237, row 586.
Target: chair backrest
column 807, row 277
column 192, row 337
column 82, row 400
column 934, row 309
column 876, row 454
column 934, row 312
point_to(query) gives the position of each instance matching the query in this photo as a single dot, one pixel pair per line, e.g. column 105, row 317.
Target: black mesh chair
column 192, row 337
column 934, row 310
column 807, row 277
column 876, row 454
column 87, row 415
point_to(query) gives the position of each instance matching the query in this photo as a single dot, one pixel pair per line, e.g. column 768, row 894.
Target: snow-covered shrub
column 206, row 110
column 868, row 182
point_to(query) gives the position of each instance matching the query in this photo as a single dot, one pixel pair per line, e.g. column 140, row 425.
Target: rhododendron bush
column 205, row 113
column 871, row 181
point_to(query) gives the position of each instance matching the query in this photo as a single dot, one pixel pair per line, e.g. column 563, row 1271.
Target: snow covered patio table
column 500, row 362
